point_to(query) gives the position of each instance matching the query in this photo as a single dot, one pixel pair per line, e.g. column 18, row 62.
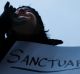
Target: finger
column 7, row 5
column 12, row 9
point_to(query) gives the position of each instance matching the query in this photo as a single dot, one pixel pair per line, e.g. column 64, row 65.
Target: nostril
column 21, row 11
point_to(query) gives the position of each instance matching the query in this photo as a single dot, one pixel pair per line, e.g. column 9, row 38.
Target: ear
column 54, row 41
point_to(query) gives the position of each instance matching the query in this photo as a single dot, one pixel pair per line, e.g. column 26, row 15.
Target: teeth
column 24, row 17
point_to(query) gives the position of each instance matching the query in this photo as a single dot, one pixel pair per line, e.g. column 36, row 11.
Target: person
column 22, row 24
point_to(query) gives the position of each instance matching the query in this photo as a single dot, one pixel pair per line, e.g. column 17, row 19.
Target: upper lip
column 26, row 14
column 23, row 13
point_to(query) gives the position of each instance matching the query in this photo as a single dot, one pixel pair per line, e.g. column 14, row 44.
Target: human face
column 25, row 15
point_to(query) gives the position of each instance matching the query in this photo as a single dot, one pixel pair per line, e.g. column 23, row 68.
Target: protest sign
column 35, row 58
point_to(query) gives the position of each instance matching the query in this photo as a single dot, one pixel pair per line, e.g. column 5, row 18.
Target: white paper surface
column 35, row 58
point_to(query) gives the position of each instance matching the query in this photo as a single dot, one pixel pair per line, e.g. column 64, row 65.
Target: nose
column 22, row 11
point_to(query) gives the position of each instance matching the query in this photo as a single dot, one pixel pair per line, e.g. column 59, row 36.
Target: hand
column 6, row 17
column 8, row 10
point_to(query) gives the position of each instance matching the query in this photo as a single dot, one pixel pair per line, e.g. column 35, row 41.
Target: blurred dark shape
column 8, row 18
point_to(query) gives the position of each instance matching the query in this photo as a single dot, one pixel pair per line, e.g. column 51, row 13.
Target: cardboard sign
column 35, row 58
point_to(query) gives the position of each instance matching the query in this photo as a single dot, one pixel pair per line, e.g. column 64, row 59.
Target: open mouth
column 22, row 13
column 26, row 15
column 23, row 17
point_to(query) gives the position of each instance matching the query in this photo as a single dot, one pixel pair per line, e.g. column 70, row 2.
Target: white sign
column 35, row 58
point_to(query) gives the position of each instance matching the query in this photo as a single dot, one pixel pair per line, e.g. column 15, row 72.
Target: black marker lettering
column 34, row 61
column 26, row 60
column 52, row 62
column 78, row 63
column 40, row 62
column 61, row 64
column 14, row 56
column 70, row 63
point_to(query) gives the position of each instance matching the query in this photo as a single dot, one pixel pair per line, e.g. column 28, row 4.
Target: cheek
column 32, row 17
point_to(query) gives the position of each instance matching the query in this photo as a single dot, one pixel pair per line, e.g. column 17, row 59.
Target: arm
column 5, row 25
column 6, row 17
